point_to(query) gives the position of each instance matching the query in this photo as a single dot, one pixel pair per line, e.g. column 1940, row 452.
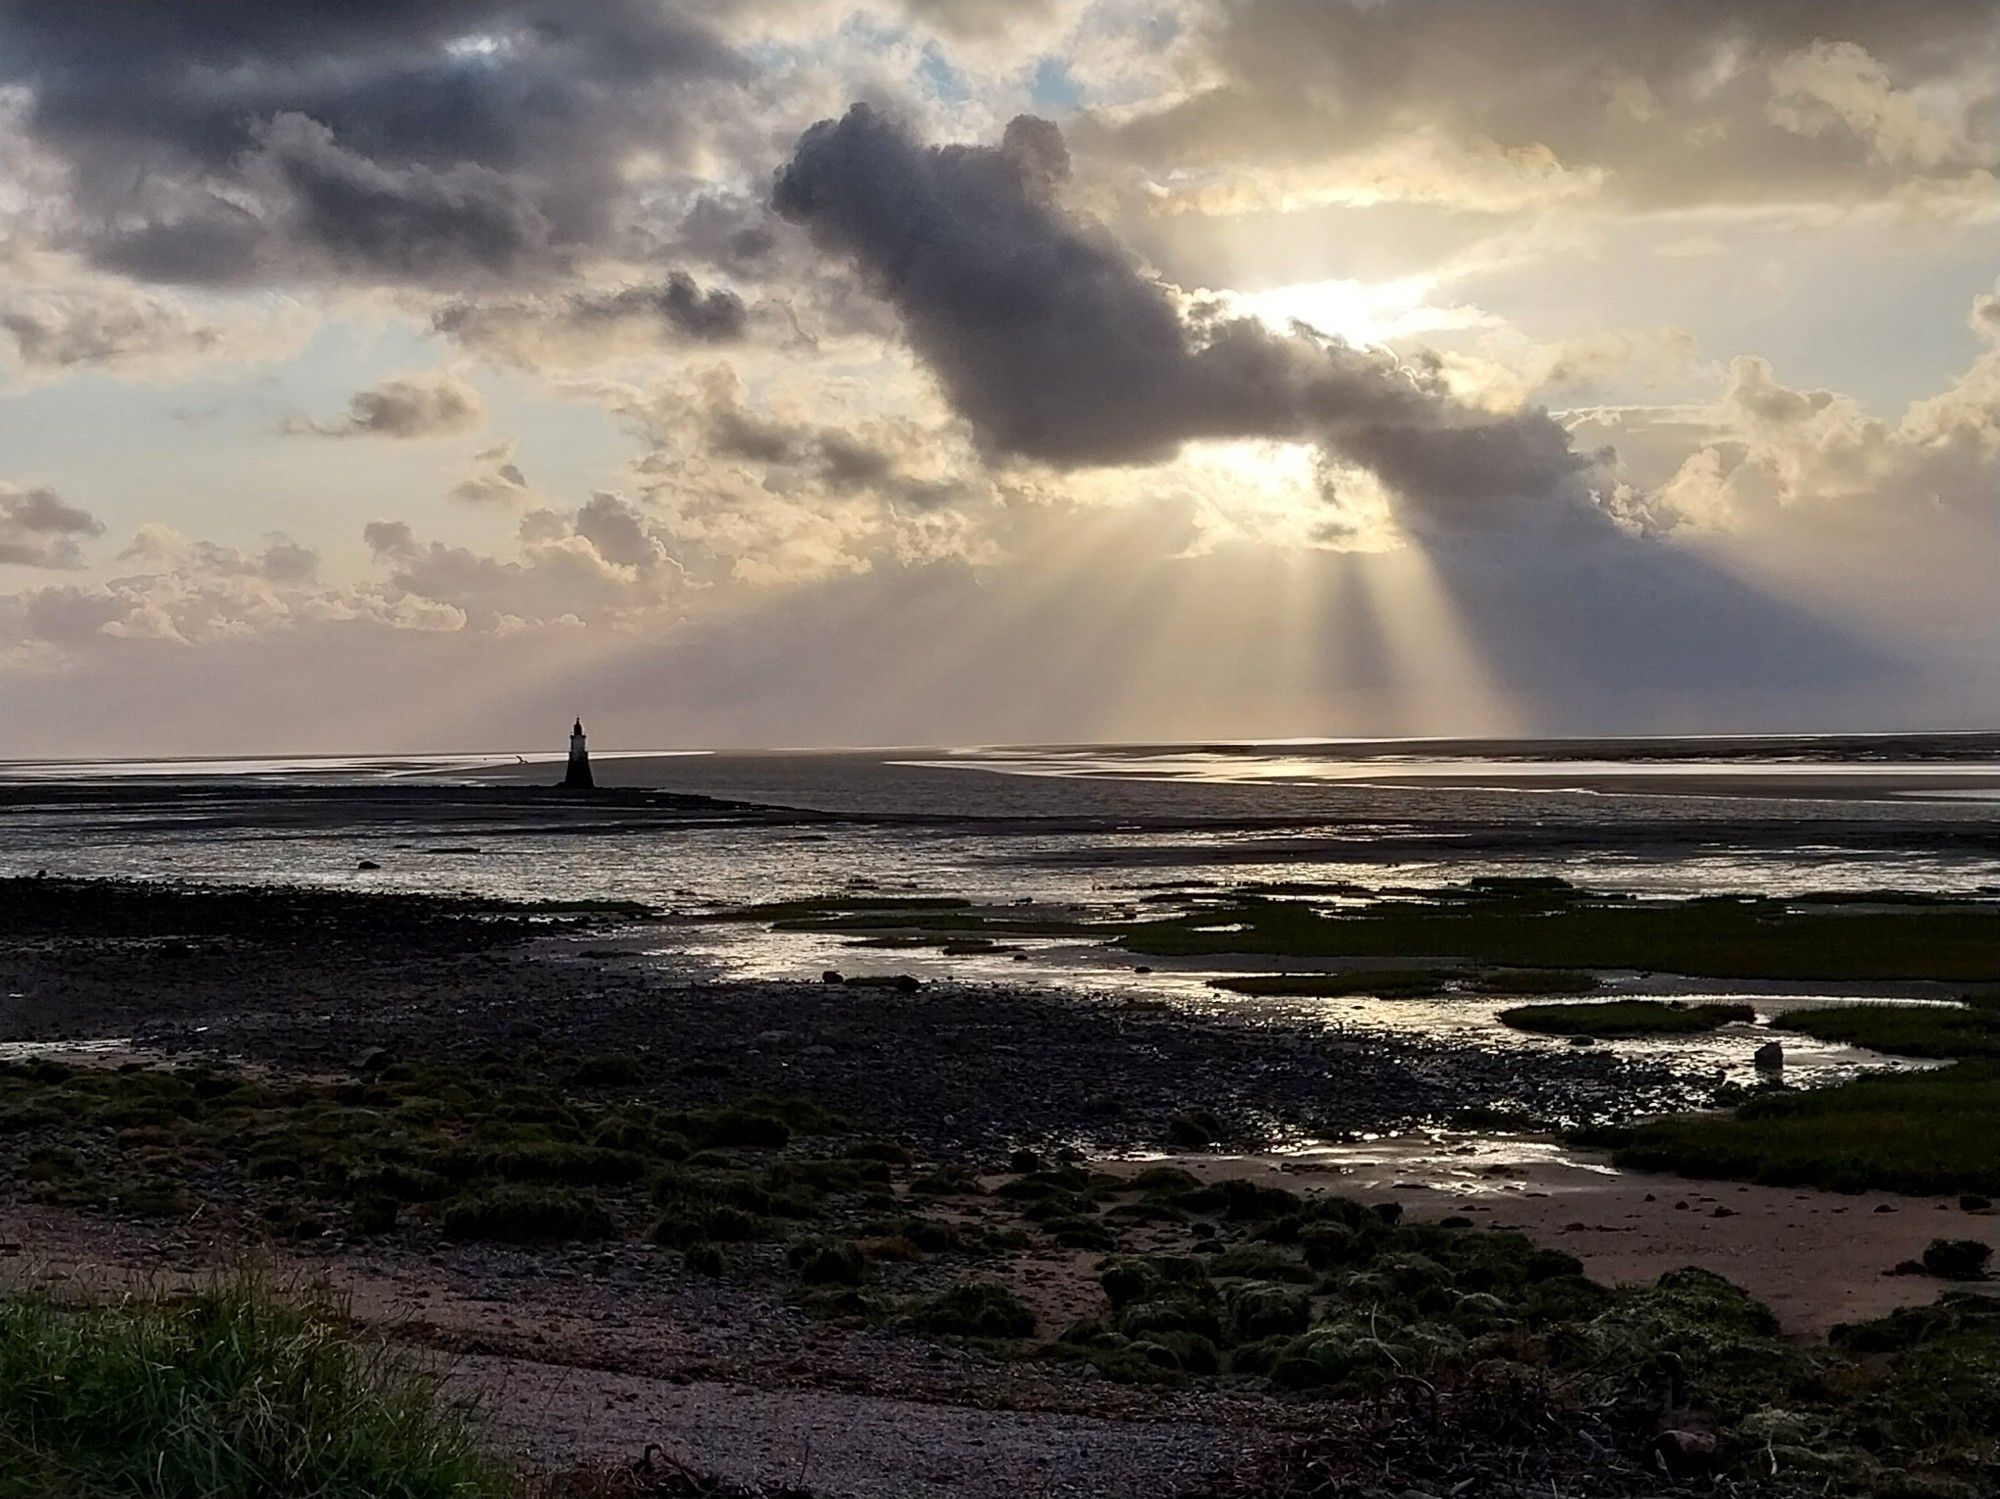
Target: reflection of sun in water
column 1284, row 494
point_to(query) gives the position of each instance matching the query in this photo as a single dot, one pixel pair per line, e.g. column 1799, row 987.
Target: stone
column 1770, row 1057
column 1685, row 1454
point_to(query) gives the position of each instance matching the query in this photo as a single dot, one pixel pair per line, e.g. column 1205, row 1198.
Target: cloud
column 593, row 326
column 416, row 406
column 429, row 141
column 413, row 221
column 1048, row 338
column 494, row 478
column 1463, row 102
column 281, row 561
column 57, row 323
column 1774, row 448
column 39, row 529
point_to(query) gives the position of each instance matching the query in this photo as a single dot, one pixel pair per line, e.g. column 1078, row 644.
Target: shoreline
column 590, row 1351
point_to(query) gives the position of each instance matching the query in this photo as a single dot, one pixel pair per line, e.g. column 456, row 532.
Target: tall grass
column 233, row 1393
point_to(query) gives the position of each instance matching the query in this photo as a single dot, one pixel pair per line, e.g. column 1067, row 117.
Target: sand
column 1816, row 1258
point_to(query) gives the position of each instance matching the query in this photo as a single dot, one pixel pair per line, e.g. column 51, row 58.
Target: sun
column 1362, row 313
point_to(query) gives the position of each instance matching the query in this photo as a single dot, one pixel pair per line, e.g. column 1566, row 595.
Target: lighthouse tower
column 577, row 778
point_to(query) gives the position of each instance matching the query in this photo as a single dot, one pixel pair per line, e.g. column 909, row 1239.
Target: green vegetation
column 189, row 915
column 1551, row 932
column 1971, row 1030
column 976, row 1309
column 485, row 1151
column 1620, row 1018
column 1900, row 1132
column 1554, row 926
column 231, row 1394
column 1923, row 1132
column 527, row 1215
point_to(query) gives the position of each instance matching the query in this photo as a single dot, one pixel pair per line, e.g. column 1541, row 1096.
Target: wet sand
column 1818, row 1259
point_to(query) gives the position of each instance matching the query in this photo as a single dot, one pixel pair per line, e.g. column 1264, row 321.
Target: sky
column 413, row 375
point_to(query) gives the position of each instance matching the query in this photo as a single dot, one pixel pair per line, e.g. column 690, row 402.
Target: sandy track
column 835, row 1442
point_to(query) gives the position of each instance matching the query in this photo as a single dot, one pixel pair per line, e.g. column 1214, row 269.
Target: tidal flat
column 578, row 1187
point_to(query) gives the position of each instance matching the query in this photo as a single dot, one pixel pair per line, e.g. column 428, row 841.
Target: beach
column 942, row 1079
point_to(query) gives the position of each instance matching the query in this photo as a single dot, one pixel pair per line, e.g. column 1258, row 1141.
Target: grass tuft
column 230, row 1394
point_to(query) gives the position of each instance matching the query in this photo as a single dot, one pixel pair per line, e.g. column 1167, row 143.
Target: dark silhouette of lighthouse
column 577, row 777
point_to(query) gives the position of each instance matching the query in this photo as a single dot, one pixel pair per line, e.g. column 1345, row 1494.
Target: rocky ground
column 954, row 1066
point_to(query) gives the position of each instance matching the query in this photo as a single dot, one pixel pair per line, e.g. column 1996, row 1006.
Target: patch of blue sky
column 941, row 79
column 1052, row 87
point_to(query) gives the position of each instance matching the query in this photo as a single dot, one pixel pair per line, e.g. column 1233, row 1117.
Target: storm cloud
column 389, row 140
column 1051, row 341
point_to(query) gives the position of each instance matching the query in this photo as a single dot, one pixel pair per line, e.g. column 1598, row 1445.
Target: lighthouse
column 577, row 778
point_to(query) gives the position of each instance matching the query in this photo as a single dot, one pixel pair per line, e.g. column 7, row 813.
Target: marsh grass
column 1533, row 925
column 1917, row 1132
column 1904, row 1030
column 1625, row 1018
column 1556, row 927
column 482, row 1151
column 234, row 1393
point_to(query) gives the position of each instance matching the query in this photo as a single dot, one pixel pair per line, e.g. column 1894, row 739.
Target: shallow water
column 1093, row 830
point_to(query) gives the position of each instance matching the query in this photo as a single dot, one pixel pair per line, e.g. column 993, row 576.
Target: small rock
column 367, row 864
column 1722, row 1212
column 370, row 1059
column 1684, row 1454
column 1770, row 1057
column 1957, row 1259
column 1885, row 1207
column 833, row 976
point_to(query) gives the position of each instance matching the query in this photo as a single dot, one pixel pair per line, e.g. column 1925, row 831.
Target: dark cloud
column 841, row 463
column 39, row 529
column 434, row 140
column 588, row 325
column 1049, row 339
column 389, row 538
column 417, row 406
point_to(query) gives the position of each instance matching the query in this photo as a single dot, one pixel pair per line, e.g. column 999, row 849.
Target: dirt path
column 1816, row 1258
column 837, row 1443
column 578, row 1364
